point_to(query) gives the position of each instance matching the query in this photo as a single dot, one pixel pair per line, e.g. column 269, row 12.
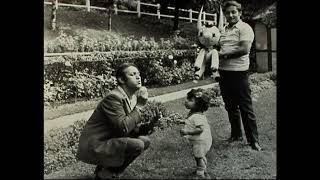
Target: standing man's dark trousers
column 236, row 93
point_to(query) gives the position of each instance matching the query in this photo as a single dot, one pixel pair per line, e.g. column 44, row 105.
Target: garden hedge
column 114, row 42
column 91, row 76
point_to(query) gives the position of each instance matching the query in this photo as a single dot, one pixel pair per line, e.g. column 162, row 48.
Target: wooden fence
column 138, row 11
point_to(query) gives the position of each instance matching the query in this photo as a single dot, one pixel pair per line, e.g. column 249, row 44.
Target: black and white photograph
column 160, row 89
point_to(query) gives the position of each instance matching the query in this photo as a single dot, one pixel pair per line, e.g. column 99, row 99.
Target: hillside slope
column 74, row 21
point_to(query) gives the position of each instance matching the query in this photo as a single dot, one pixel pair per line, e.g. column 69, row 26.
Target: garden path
column 68, row 120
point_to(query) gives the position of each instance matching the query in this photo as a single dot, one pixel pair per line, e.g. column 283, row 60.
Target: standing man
column 109, row 139
column 235, row 45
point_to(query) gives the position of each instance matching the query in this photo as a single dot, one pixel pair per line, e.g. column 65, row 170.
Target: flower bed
column 81, row 76
column 113, row 42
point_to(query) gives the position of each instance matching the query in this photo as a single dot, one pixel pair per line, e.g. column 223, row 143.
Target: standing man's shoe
column 256, row 146
column 104, row 174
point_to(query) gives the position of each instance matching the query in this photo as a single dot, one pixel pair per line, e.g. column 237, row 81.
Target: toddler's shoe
column 200, row 174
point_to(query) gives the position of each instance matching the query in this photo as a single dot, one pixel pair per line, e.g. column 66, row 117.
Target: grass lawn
column 169, row 155
column 80, row 106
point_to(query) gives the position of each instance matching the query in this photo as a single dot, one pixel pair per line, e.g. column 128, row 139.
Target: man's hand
column 183, row 132
column 142, row 96
column 223, row 55
column 243, row 49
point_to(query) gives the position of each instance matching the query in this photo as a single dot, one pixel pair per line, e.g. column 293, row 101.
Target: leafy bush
column 152, row 114
column 216, row 98
column 82, row 76
column 76, row 80
column 60, row 146
column 73, row 1
column 112, row 42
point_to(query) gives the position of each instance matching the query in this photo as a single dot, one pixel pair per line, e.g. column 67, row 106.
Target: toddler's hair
column 202, row 99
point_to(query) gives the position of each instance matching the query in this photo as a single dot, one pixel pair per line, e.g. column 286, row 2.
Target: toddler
column 196, row 128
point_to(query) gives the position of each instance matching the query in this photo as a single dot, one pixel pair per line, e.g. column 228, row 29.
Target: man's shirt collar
column 235, row 25
column 132, row 102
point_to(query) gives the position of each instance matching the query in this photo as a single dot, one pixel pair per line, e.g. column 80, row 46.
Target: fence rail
column 138, row 11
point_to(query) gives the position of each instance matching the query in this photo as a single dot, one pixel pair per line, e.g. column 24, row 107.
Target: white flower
column 170, row 57
column 198, row 94
column 175, row 62
column 67, row 63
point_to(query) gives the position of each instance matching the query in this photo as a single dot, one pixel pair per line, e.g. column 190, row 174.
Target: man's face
column 232, row 15
column 133, row 79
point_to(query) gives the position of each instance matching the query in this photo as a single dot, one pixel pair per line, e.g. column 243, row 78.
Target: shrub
column 216, row 98
column 60, row 146
column 77, row 80
column 152, row 114
column 113, row 42
column 91, row 76
column 73, row 1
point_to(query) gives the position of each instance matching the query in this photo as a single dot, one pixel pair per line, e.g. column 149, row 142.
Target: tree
column 250, row 7
column 178, row 4
column 267, row 16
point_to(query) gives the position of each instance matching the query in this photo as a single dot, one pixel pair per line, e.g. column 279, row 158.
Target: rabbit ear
column 220, row 25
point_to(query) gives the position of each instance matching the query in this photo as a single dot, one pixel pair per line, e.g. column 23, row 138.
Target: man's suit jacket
column 103, row 139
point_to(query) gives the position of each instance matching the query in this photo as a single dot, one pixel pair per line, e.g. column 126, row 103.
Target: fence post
column 109, row 18
column 54, row 14
column 158, row 10
column 56, row 3
column 138, row 9
column 215, row 20
column 204, row 17
column 269, row 43
column 88, row 5
column 190, row 15
column 115, row 8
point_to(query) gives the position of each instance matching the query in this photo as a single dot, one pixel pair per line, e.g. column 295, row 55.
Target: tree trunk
column 176, row 18
column 109, row 18
column 53, row 15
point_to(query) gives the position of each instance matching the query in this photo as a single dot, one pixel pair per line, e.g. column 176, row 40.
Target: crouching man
column 109, row 138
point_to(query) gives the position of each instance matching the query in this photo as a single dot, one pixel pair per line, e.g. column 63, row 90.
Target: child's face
column 190, row 103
